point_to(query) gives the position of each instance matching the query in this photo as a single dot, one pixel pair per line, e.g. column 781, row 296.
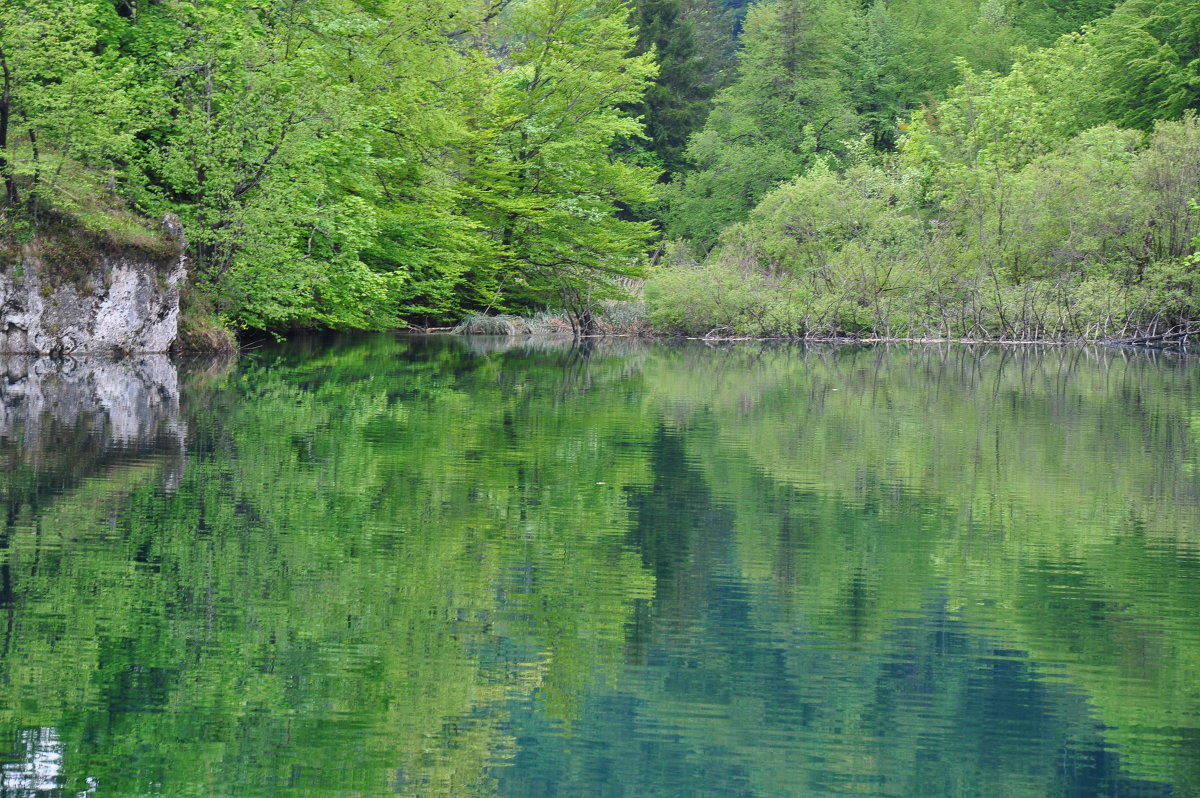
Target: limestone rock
column 123, row 304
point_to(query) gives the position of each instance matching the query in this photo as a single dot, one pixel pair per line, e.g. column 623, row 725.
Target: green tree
column 713, row 28
column 787, row 108
column 271, row 138
column 1043, row 21
column 1149, row 61
column 427, row 90
column 545, row 184
column 678, row 101
column 63, row 102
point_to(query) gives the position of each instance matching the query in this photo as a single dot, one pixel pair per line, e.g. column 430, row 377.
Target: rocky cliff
column 78, row 294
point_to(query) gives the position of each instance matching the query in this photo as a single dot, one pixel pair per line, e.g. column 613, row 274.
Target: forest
column 1023, row 170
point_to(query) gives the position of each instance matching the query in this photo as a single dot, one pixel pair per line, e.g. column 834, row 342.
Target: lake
column 488, row 567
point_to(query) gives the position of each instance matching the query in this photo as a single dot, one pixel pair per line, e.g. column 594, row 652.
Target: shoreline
column 1171, row 340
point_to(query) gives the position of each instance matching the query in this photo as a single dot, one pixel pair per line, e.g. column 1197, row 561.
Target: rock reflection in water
column 72, row 418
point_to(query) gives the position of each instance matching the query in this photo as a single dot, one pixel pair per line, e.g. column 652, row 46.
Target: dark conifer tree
column 678, row 102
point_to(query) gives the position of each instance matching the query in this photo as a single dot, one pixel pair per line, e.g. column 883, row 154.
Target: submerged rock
column 98, row 302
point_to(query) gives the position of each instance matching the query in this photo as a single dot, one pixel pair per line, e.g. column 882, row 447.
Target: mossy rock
column 66, row 250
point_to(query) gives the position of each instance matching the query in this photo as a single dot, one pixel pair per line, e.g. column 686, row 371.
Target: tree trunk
column 10, row 183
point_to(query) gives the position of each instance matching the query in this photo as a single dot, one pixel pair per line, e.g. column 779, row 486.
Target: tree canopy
column 370, row 163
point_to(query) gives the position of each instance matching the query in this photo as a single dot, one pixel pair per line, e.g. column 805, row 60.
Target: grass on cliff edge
column 66, row 227
column 70, row 220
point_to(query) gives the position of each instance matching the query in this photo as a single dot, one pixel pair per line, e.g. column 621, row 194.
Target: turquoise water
column 472, row 567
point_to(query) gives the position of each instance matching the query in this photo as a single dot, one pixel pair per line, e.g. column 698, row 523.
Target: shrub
column 543, row 323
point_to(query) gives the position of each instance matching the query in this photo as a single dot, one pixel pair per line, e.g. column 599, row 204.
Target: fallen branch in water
column 1149, row 339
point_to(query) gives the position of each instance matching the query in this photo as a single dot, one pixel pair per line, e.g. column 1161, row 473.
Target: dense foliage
column 993, row 190
column 363, row 163
column 337, row 162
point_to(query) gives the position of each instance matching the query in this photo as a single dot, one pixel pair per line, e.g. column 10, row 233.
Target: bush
column 542, row 323
column 1094, row 240
column 200, row 328
column 623, row 317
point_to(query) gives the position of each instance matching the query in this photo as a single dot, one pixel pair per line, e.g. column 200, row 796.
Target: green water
column 464, row 567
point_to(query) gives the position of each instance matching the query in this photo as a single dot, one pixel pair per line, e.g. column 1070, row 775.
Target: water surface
column 476, row 567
